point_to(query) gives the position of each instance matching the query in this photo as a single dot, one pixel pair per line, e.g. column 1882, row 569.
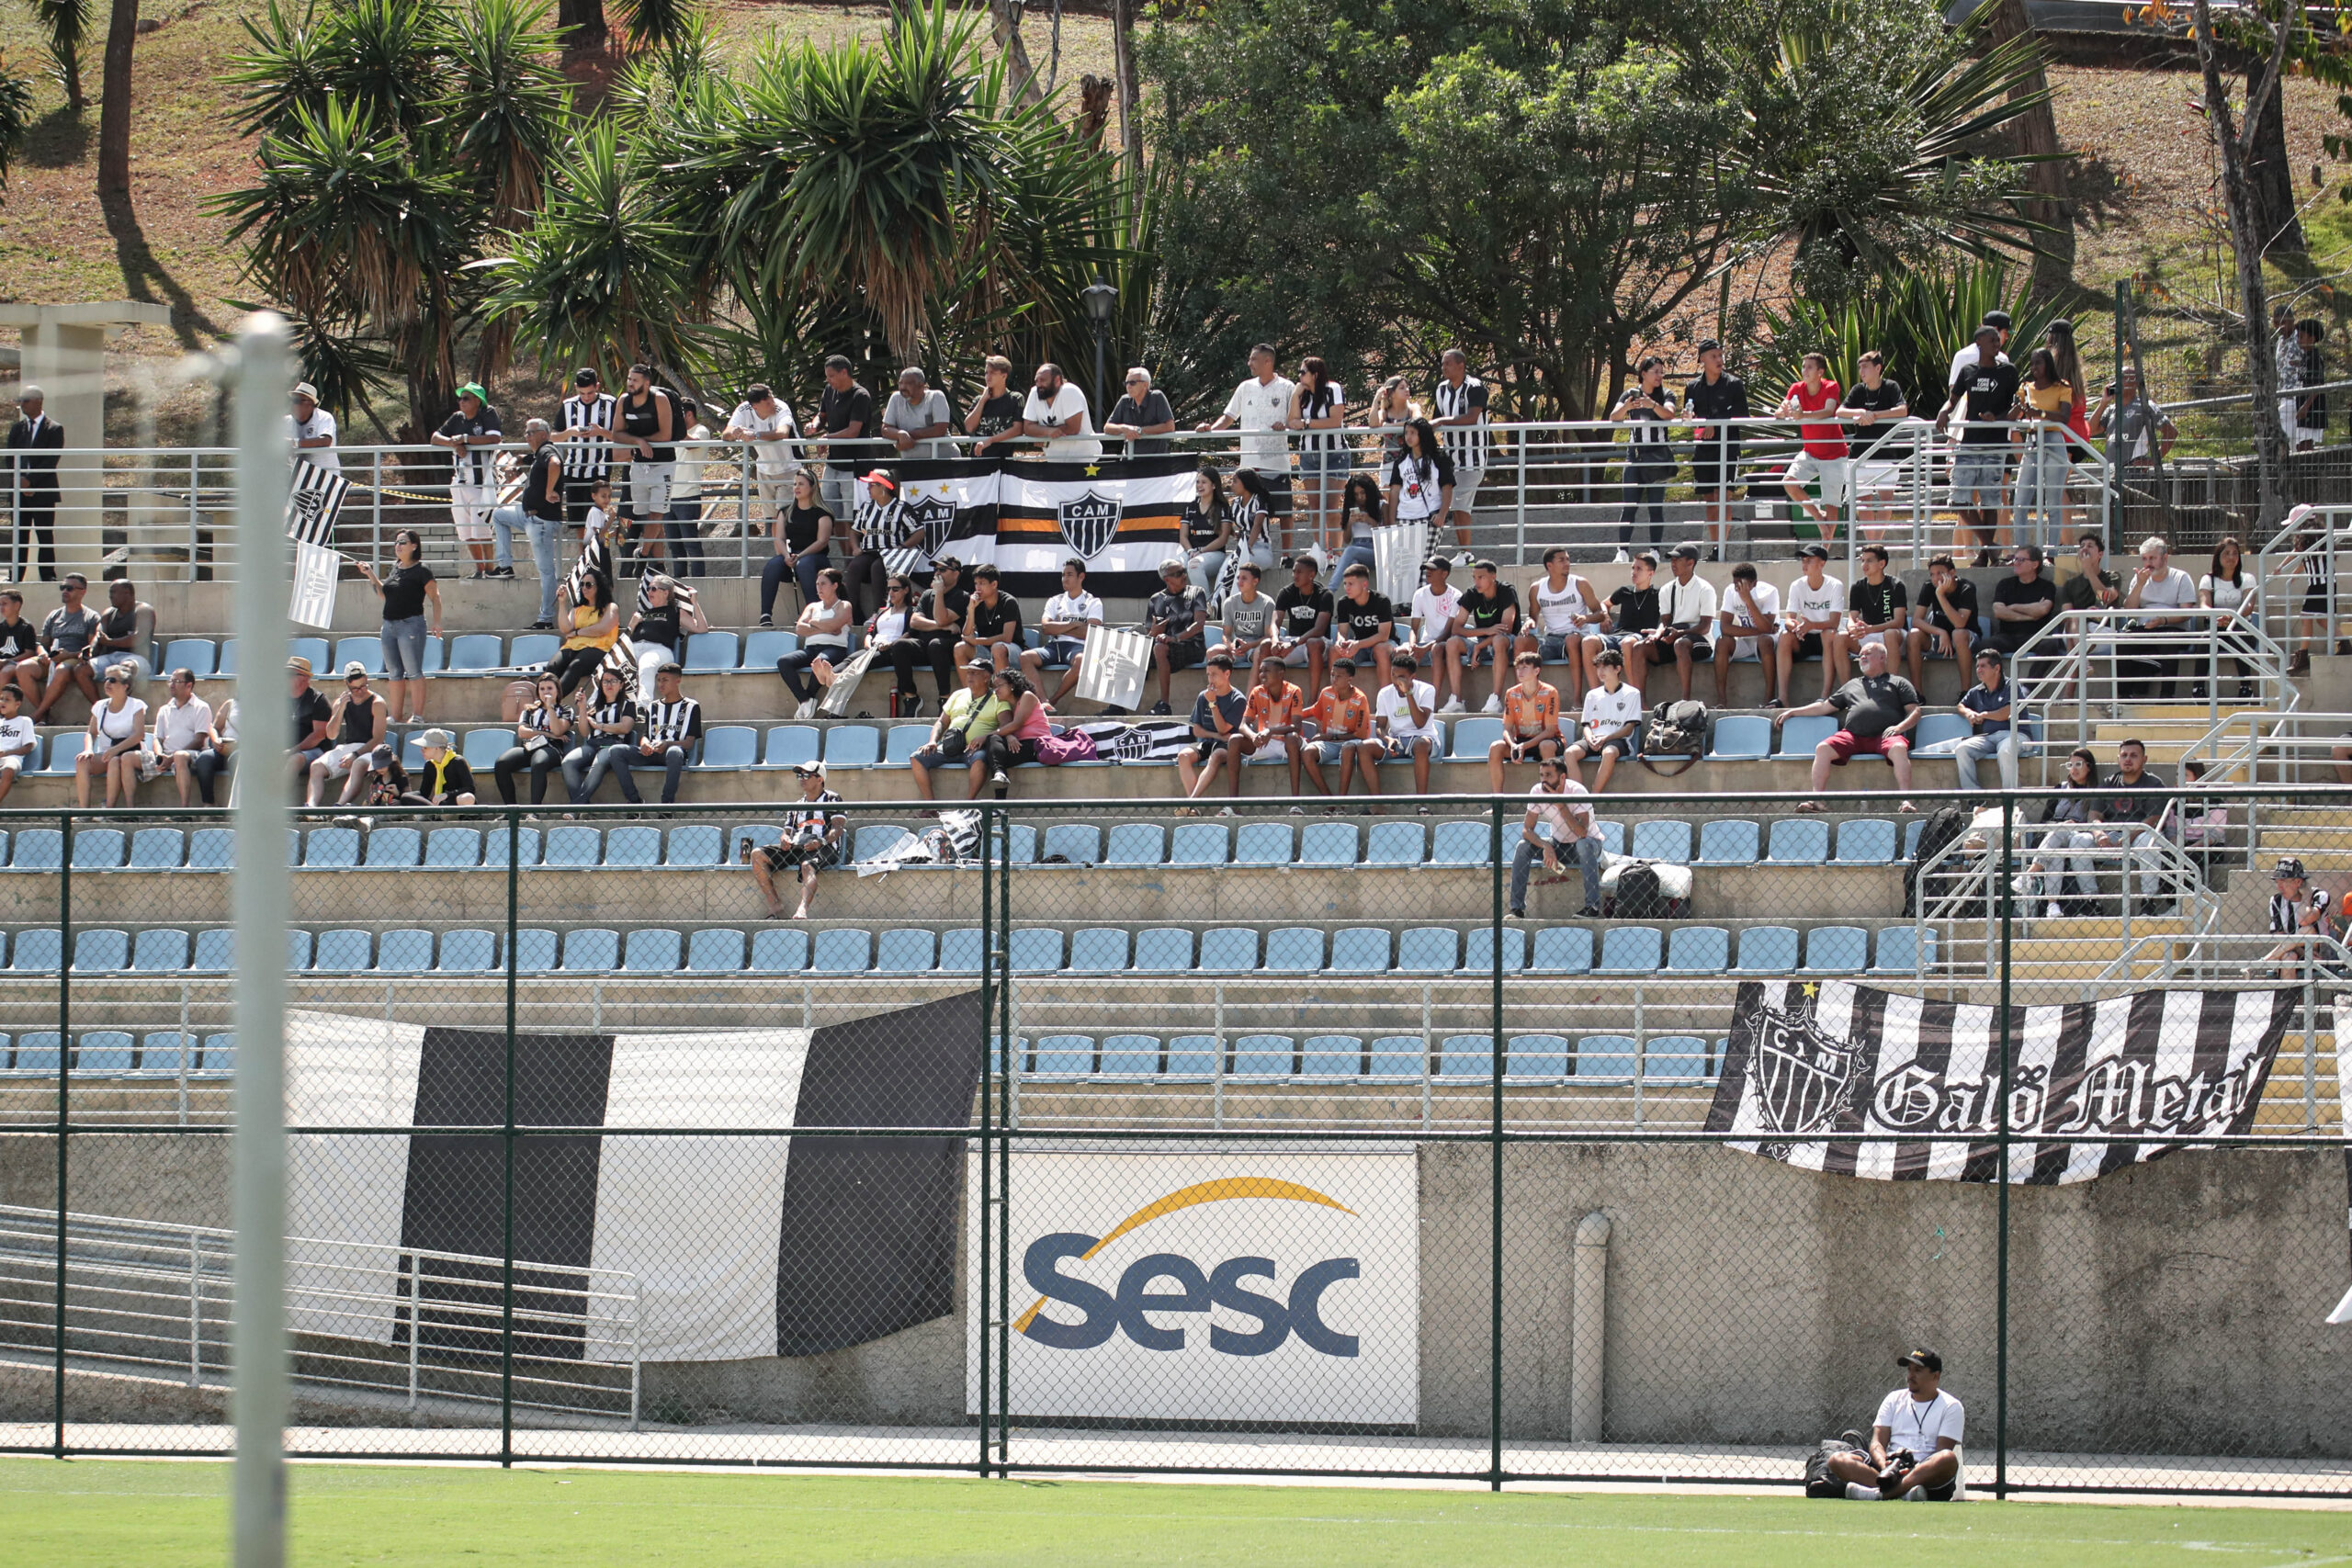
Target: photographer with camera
column 1917, row 1418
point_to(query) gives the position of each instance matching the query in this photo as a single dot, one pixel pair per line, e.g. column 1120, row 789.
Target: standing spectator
column 126, row 630
column 1485, row 629
column 34, row 441
column 588, row 416
column 1260, row 407
column 1252, row 624
column 1056, row 414
column 1531, row 722
column 1426, row 480
column 112, row 743
column 1392, row 408
column 542, row 736
column 1404, row 714
column 1141, row 417
column 356, row 723
column 315, row 718
column 182, row 733
column 2311, row 404
column 764, row 422
column 1984, row 390
column 803, row 536
column 671, row 612
column 2162, row 591
column 1687, row 612
column 538, row 510
column 2286, row 354
column 21, row 662
column 1361, row 511
column 1998, row 324
column 1647, row 408
column 1876, row 712
column 1564, row 605
column 1824, row 462
column 1946, row 623
column 1560, row 803
column 595, row 626
column 845, row 413
column 1254, row 501
column 1876, row 406
column 2138, row 433
column 917, row 420
column 991, row 622
column 809, row 840
column 1221, row 737
column 1434, row 603
column 406, row 591
column 472, row 435
column 1341, row 717
column 685, row 492
column 1302, row 624
column 18, row 739
column 669, row 732
column 2059, row 338
column 1362, row 623
column 1206, row 525
column 2024, row 602
column 606, row 724
column 648, row 424
column 1633, row 620
column 1014, row 742
column 1815, row 623
column 995, row 414
column 938, row 624
column 1069, row 617
column 2044, row 403
column 1749, row 630
column 1275, row 717
column 447, row 778
column 1879, row 609
column 1716, row 399
column 2225, row 591
column 965, row 721
column 68, row 636
column 1319, row 409
column 823, row 631
column 311, row 427
column 1462, row 417
column 1993, row 732
column 1176, row 621
column 880, row 522
column 1612, row 726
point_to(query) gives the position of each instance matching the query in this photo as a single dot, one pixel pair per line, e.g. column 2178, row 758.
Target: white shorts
column 648, row 491
column 12, row 764
column 1465, row 487
column 2310, row 432
column 469, row 509
column 1743, row 649
column 1835, row 475
column 1273, row 749
column 1891, row 641
column 339, row 759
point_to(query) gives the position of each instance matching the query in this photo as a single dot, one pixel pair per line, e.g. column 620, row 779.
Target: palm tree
column 65, row 26
column 15, row 117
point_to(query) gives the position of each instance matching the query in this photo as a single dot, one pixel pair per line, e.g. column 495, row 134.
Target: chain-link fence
column 1240, row 1134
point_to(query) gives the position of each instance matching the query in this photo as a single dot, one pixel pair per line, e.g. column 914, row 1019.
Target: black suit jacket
column 36, row 474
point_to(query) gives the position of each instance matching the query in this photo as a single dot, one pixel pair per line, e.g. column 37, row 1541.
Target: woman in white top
column 824, row 628
column 2224, row 589
column 1319, row 409
column 1424, row 487
column 111, row 745
column 685, row 494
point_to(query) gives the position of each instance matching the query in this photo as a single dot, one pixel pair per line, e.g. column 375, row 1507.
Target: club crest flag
column 1396, row 557
column 1025, row 517
column 314, row 502
column 1110, row 671
column 1811, row 1063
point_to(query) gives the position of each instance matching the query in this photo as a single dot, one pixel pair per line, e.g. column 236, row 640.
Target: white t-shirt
column 1260, row 408
column 1605, row 710
column 1081, row 607
column 1553, row 808
column 1556, row 613
column 224, row 723
column 2171, row 591
column 320, row 422
column 15, row 732
column 2227, row 595
column 1435, row 612
column 1389, row 705
column 1768, row 604
column 178, row 727
column 1825, row 602
column 1068, row 401
column 777, row 459
column 1690, row 604
column 1918, row 1424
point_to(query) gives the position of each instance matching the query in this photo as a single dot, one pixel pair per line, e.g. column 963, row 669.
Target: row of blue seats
column 112, row 1053
column 1033, row 950
column 1666, row 1059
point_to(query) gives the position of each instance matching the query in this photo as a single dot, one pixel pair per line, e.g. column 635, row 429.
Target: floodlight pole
column 258, row 1344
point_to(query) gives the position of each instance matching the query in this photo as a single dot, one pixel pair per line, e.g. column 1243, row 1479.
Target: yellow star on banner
column 1812, row 989
column 1092, row 469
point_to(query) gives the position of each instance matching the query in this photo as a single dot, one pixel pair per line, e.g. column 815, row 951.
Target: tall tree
column 113, row 107
column 2035, row 134
column 1123, row 74
column 580, row 25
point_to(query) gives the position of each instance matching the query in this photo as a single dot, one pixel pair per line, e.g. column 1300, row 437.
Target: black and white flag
column 314, row 502
column 1152, row 740
column 729, row 1246
column 1810, row 1060
column 1027, row 516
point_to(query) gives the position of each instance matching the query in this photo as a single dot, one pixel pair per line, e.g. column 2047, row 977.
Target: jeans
column 403, row 645
column 585, row 767
column 1354, row 550
column 670, row 760
column 1644, row 486
column 204, row 767
column 1587, row 856
column 1977, row 748
column 515, row 760
column 804, row 571
column 686, row 538
column 503, row 523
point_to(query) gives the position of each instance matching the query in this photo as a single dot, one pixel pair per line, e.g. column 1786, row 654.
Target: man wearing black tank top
column 648, row 423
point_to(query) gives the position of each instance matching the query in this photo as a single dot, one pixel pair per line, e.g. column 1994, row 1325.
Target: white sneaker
column 1916, row 1494
column 805, row 709
column 1858, row 1492
column 1494, row 705
column 1620, row 558
column 1452, row 704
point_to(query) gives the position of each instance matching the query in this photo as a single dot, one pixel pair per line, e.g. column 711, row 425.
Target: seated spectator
column 1301, row 637
column 1687, row 612
column 17, row 739
column 892, row 634
column 126, row 630
column 824, row 629
column 1560, row 607
column 2226, row 590
column 1014, row 742
column 2062, row 877
column 810, row 840
column 1176, row 621
column 1405, row 715
column 448, row 779
column 1069, row 617
column 1946, row 623
column 2298, row 912
column 605, row 721
column 542, row 734
column 357, row 725
column 1276, row 716
column 1748, row 631
column 21, row 663
column 1986, row 707
column 991, row 621
column 965, row 720
column 2158, row 595
column 1362, row 623
column 2139, row 804
column 1430, row 627
column 1206, row 525
column 1561, row 802
column 595, row 626
column 1221, row 735
column 1877, row 607
column 111, row 744
column 2024, row 602
column 67, row 638
column 1813, row 624
column 1878, row 712
column 1635, row 618
column 2204, row 825
column 182, row 731
column 219, row 751
column 669, row 730
column 1612, row 724
column 671, row 613
column 1915, row 1442
column 314, row 718
column 1531, row 722
column 1252, row 625
column 1485, row 630
column 801, row 533
column 2092, row 588
column 1338, row 727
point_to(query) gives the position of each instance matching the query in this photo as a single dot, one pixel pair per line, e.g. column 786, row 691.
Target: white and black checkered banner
column 1120, row 515
column 1810, row 1060
column 735, row 1247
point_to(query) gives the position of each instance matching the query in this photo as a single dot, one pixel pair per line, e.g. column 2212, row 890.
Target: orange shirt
column 1525, row 716
column 1341, row 718
column 1264, row 713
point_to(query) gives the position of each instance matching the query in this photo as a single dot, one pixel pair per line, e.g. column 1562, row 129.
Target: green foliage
column 1917, row 319
column 65, row 26
column 16, row 115
column 661, row 24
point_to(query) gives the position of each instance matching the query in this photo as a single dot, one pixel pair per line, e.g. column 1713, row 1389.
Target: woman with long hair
column 2063, row 865
column 595, row 626
column 2224, row 589
column 824, row 628
column 1207, row 527
column 1318, row 410
column 1361, row 511
column 1424, row 489
column 541, row 737
column 803, row 534
column 1392, row 408
column 2059, row 338
column 1014, row 740
column 2044, row 401
column 1252, row 532
column 406, row 591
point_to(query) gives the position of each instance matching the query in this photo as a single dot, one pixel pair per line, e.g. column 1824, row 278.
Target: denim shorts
column 403, row 643
column 1337, row 461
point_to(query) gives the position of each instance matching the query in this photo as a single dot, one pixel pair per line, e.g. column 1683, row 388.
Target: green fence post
column 506, row 1244
column 981, row 1299
column 64, row 1055
column 2001, row 1287
column 1495, row 1147
column 1004, row 1156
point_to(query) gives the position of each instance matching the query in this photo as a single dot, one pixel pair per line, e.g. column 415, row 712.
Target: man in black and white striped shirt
column 1462, row 429
column 668, row 727
column 586, row 431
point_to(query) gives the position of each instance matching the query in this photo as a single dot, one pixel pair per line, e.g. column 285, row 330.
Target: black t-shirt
column 1479, row 612
column 2141, row 802
column 1992, row 391
column 1298, row 612
column 544, row 461
column 657, row 625
column 1361, row 622
column 404, row 591
column 312, row 709
column 1723, row 399
column 800, row 526
column 2010, row 591
column 1201, row 528
column 1963, row 598
column 1876, row 602
column 1880, row 400
column 1870, row 706
column 838, row 412
column 644, row 422
column 2079, row 593
column 19, row 638
column 959, row 599
column 472, row 466
column 988, row 620
column 1153, row 410
column 999, row 415
column 1636, row 608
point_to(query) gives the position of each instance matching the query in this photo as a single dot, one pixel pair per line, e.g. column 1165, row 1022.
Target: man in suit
column 32, row 490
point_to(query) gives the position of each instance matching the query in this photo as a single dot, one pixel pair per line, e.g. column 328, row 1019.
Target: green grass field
column 96, row 1514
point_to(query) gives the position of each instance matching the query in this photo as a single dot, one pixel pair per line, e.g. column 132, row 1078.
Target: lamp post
column 1101, row 300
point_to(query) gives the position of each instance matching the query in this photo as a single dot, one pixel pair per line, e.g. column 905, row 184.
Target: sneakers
column 805, row 709
column 502, row 573
column 1858, row 1492
column 1589, row 912
column 1161, row 710
column 1620, row 558
column 542, row 626
column 767, row 622
column 1494, row 705
column 1452, row 704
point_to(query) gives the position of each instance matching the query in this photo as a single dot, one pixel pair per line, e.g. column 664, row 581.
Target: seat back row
column 1385, row 1059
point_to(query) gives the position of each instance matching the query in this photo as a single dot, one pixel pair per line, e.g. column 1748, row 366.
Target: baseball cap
column 353, row 669
column 809, row 766
column 878, row 476
column 1437, row 563
column 1816, row 552
column 2287, row 866
column 298, row 665
column 979, row 664
column 474, row 390
column 1686, row 552
column 1924, row 1358
column 304, row 390
column 440, row 738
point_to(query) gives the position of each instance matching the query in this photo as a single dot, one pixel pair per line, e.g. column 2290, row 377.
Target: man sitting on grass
column 1915, row 1443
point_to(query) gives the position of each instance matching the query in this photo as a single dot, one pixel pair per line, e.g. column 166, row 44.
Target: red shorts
column 1847, row 744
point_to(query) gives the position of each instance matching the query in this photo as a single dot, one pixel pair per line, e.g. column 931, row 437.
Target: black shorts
column 1810, row 647
column 1707, row 474
column 1203, row 751
column 820, row 853
column 1278, row 500
column 1702, row 650
column 1184, row 655
column 576, row 503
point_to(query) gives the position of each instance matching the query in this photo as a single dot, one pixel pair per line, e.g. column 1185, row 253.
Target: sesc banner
column 1120, row 515
column 1255, row 1287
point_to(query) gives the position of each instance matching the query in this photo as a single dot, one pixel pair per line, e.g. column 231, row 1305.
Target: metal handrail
column 2062, row 659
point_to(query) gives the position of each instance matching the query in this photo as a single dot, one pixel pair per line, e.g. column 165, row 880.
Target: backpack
column 1944, row 825
column 1819, row 1482
column 1639, row 896
column 1677, row 729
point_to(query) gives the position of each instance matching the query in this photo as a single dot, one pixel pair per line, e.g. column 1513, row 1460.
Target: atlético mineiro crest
column 1088, row 523
column 931, row 522
column 1803, row 1078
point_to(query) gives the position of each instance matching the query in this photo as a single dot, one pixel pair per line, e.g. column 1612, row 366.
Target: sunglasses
column 114, row 680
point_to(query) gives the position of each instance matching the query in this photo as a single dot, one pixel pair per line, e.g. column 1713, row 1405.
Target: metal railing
column 2085, row 659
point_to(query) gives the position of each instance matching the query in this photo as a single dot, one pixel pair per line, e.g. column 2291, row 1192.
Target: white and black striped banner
column 730, row 1246
column 1810, row 1060
column 313, row 501
column 1027, row 516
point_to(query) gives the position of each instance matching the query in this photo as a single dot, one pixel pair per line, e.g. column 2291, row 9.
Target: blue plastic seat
column 1630, row 950
column 1391, row 843
column 1698, row 950
column 1079, row 843
column 1034, row 950
column 36, row 951
column 105, row 1050
column 1129, row 1056
column 215, row 952
column 1397, row 1058
column 99, row 849
column 404, row 953
column 1676, row 1059
column 1561, row 950
column 1911, row 837
column 960, row 950
column 1866, row 840
column 1472, row 737
column 652, row 950
column 1099, row 950
column 366, row 652
column 573, row 847
column 531, row 649
column 228, row 661
column 1466, row 1056
column 590, row 950
column 331, row 849
column 1740, row 736
column 904, row 950
column 482, row 749
column 1612, row 837
column 900, row 743
column 1191, row 1059
column 762, row 648
column 876, row 838
column 299, row 946
column 1463, row 843
column 1478, row 950
column 474, row 653
column 851, row 745
column 157, row 848
column 757, row 834
column 1904, row 950
column 39, row 848
column 1939, row 729
column 1800, row 735
column 715, row 949
column 1198, row 843
column 1330, row 1058
column 1327, row 843
column 159, row 950
column 39, row 1050
column 314, row 649
column 59, row 754
column 469, row 951
column 789, row 745
column 1536, row 1058
column 1298, row 950
column 712, row 653
column 1607, row 1057
column 1729, row 840
column 195, row 654
column 510, row 838
column 1837, row 950
column 344, row 953
column 1063, row 1057
column 1013, row 844
column 1798, row 841
column 728, row 747
column 396, row 847
column 1257, row 843
column 1425, row 949
column 167, row 1053
column 101, row 952
column 1168, row 950
column 1767, row 949
column 1264, row 1056
column 696, row 843
column 1228, row 950
column 779, row 950
column 633, row 847
column 220, row 1054
column 211, row 849
column 1136, row 843
column 1662, row 838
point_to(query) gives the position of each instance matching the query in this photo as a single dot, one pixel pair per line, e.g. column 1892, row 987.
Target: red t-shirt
column 1821, row 440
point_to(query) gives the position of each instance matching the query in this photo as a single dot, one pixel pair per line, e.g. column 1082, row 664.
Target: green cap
column 474, row 390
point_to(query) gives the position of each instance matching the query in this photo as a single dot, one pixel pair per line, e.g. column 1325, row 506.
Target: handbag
column 1071, row 746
